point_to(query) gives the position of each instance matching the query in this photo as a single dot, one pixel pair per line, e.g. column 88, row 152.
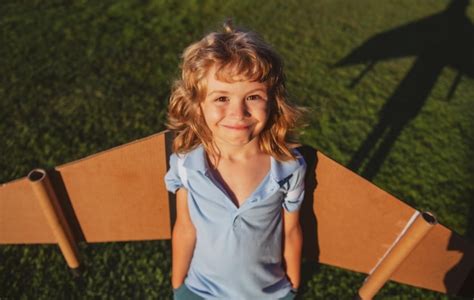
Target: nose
column 238, row 110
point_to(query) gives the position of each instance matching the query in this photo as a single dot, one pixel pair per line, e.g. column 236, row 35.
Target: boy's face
column 235, row 112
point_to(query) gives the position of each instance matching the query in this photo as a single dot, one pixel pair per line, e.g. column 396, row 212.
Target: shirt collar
column 196, row 160
column 279, row 170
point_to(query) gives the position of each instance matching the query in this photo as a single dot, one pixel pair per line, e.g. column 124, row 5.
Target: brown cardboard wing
column 357, row 223
column 116, row 195
column 21, row 218
column 119, row 195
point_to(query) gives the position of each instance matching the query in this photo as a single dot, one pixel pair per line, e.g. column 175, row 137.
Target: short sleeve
column 295, row 195
column 172, row 179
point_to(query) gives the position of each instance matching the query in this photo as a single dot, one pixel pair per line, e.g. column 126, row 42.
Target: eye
column 221, row 99
column 254, row 97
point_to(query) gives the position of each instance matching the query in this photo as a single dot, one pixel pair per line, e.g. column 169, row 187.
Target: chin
column 236, row 141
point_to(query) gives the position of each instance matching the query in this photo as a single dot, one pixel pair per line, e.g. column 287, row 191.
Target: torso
column 224, row 233
column 240, row 179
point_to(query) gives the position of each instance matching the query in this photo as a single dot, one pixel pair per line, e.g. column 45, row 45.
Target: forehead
column 222, row 80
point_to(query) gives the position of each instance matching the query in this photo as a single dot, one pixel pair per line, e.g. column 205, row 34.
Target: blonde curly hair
column 236, row 54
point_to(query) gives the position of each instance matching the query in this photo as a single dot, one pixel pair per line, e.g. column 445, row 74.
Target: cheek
column 261, row 112
column 212, row 114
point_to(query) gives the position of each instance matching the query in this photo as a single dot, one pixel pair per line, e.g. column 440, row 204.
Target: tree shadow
column 445, row 39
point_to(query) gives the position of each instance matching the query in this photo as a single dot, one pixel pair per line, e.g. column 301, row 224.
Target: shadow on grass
column 459, row 280
column 445, row 39
column 466, row 264
column 308, row 219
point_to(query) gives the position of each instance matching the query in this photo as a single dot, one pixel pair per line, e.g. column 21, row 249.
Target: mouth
column 237, row 127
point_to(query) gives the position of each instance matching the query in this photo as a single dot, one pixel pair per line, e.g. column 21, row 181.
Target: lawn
column 78, row 77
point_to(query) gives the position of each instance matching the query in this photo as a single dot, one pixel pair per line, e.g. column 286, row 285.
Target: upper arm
column 291, row 221
column 172, row 178
column 295, row 194
column 182, row 210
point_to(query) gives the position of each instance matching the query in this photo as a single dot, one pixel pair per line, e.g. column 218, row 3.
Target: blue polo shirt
column 238, row 251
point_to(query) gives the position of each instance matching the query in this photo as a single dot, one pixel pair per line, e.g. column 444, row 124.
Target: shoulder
column 194, row 160
column 175, row 156
column 289, row 169
column 175, row 160
column 298, row 167
column 182, row 156
column 299, row 161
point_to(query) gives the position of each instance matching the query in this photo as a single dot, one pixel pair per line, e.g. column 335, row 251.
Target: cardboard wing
column 119, row 195
column 358, row 225
column 115, row 195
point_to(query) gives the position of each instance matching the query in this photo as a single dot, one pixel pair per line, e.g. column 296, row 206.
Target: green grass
column 82, row 77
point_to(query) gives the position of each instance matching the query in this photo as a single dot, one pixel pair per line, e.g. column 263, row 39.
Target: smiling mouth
column 237, row 127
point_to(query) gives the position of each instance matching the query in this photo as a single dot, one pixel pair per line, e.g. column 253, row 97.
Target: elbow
column 294, row 233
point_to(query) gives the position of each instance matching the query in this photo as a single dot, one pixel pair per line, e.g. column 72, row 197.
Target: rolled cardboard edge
column 415, row 230
column 77, row 272
column 55, row 217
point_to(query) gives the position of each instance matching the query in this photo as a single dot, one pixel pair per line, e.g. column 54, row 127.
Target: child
column 238, row 183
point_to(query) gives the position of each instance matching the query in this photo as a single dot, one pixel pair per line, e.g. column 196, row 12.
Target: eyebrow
column 217, row 92
column 226, row 92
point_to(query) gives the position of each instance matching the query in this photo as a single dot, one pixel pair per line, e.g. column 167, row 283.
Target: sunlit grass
column 81, row 77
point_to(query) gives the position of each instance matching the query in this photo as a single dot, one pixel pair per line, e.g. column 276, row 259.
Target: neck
column 238, row 152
